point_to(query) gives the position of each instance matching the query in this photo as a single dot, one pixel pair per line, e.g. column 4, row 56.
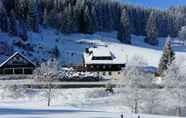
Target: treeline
column 87, row 16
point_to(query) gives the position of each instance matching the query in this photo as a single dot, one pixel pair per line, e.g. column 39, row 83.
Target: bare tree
column 175, row 83
column 136, row 78
column 48, row 72
column 152, row 100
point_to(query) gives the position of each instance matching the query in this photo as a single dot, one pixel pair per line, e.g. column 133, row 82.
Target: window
column 1, row 71
column 110, row 73
column 104, row 73
column 18, row 71
column 28, row 71
column 102, row 58
column 8, row 71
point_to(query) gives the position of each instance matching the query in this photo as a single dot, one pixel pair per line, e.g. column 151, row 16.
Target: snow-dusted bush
column 98, row 93
column 13, row 92
column 48, row 71
column 71, row 75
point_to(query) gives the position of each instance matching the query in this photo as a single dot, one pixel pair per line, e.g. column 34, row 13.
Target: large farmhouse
column 104, row 61
column 17, row 64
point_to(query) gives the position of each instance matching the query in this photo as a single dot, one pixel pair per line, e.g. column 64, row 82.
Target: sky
column 160, row 4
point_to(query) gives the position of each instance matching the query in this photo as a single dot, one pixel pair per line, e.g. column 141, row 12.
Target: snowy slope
column 160, row 4
column 72, row 46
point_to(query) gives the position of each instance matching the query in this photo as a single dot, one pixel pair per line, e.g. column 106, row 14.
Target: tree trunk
column 178, row 111
column 49, row 94
column 136, row 107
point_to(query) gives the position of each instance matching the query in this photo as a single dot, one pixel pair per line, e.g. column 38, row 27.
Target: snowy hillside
column 155, row 3
column 72, row 46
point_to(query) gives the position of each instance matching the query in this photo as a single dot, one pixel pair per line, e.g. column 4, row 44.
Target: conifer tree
column 167, row 57
column 124, row 29
column 12, row 23
column 34, row 15
column 68, row 22
column 55, row 52
column 151, row 30
column 87, row 20
column 23, row 30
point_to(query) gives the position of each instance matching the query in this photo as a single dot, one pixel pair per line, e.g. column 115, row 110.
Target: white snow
column 72, row 46
column 66, row 103
column 100, row 51
column 81, row 103
column 116, row 56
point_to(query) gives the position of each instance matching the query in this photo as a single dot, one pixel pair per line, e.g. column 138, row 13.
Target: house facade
column 104, row 62
column 17, row 64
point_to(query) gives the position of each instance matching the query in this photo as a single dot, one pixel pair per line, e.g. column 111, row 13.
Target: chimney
column 87, row 50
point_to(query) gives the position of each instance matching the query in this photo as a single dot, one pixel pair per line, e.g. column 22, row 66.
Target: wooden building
column 104, row 62
column 17, row 64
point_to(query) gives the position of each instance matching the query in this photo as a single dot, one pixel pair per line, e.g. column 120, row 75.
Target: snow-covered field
column 63, row 112
column 66, row 103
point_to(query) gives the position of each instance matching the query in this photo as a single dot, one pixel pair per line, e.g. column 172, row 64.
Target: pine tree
column 34, row 16
column 23, row 30
column 4, row 18
column 124, row 29
column 151, row 30
column 12, row 23
column 69, row 20
column 87, row 20
column 167, row 57
column 55, row 52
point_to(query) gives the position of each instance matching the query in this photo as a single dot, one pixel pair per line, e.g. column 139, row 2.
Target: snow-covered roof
column 101, row 52
column 105, row 55
column 16, row 53
column 150, row 69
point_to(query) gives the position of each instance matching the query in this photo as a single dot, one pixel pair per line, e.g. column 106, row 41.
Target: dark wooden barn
column 17, row 64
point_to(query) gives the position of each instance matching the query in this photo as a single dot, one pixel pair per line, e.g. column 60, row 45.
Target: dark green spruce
column 167, row 57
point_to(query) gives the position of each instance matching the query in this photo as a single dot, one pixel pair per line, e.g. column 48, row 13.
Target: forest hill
column 89, row 16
